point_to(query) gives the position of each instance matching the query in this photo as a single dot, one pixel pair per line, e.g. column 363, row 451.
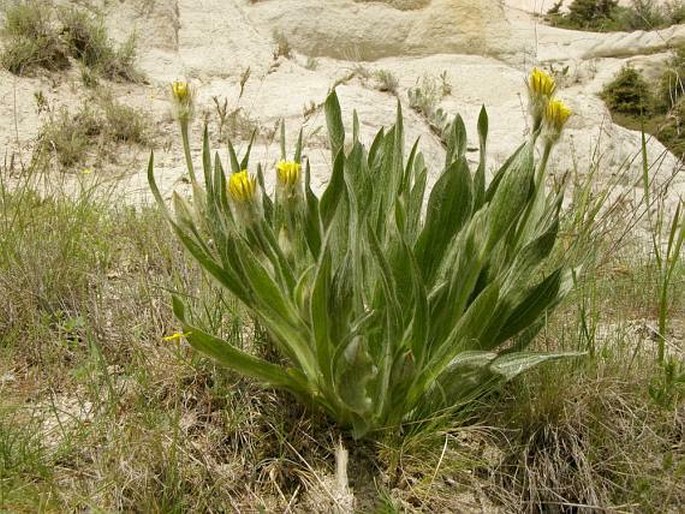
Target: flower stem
column 186, row 151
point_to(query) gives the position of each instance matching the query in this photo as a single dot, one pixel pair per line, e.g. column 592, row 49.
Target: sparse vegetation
column 92, row 132
column 312, row 63
column 657, row 108
column 283, row 48
column 386, row 81
column 609, row 15
column 41, row 36
column 424, row 99
column 32, row 40
column 629, row 93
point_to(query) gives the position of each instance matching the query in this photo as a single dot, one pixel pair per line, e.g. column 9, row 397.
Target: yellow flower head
column 182, row 100
column 181, row 91
column 541, row 84
column 556, row 114
column 554, row 118
column 242, row 187
column 288, row 172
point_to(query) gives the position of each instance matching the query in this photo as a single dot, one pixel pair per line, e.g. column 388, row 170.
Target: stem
column 543, row 164
column 663, row 319
column 186, row 150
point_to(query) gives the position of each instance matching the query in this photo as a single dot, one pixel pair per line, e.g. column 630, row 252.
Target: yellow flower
column 182, row 100
column 181, row 91
column 288, row 172
column 541, row 87
column 242, row 187
column 556, row 114
column 175, row 336
column 540, row 83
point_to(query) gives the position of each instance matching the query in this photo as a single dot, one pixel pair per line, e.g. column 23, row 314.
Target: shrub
column 591, row 13
column 629, row 93
column 671, row 83
column 33, row 41
column 92, row 130
column 381, row 316
column 39, row 36
column 87, row 38
column 608, row 15
column 657, row 108
column 386, row 81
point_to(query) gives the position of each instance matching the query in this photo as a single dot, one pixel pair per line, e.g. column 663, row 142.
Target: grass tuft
column 41, row 36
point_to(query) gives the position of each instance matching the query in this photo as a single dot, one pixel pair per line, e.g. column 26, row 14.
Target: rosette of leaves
column 383, row 315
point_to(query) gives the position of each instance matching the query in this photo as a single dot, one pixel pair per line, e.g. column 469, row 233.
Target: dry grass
column 95, row 132
column 100, row 413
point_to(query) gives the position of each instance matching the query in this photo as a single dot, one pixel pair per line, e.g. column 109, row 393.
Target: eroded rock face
column 485, row 49
column 402, row 5
column 373, row 30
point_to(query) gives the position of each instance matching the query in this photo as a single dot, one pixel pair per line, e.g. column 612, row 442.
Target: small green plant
column 425, row 96
column 42, row 36
column 629, row 93
column 87, row 38
column 91, row 131
column 124, row 123
column 666, row 253
column 656, row 108
column 312, row 63
column 382, row 320
column 386, row 81
column 32, row 40
column 610, row 15
column 424, row 99
column 592, row 13
column 283, row 48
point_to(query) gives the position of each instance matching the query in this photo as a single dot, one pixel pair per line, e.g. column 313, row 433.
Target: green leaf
column 334, row 191
column 298, row 148
column 235, row 165
column 420, row 323
column 529, row 258
column 512, row 196
column 503, row 170
column 207, row 167
column 465, row 334
column 320, row 315
column 244, row 164
column 449, row 207
column 230, row 356
column 512, row 364
column 312, row 224
column 282, row 140
column 465, row 378
column 535, row 302
column 456, row 141
column 355, row 127
column 353, row 374
column 336, row 130
column 267, row 202
column 479, row 178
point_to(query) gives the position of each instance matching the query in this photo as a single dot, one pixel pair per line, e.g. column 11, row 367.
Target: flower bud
column 242, row 189
column 541, row 87
column 289, row 182
column 288, row 173
column 182, row 99
column 540, row 83
column 555, row 117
